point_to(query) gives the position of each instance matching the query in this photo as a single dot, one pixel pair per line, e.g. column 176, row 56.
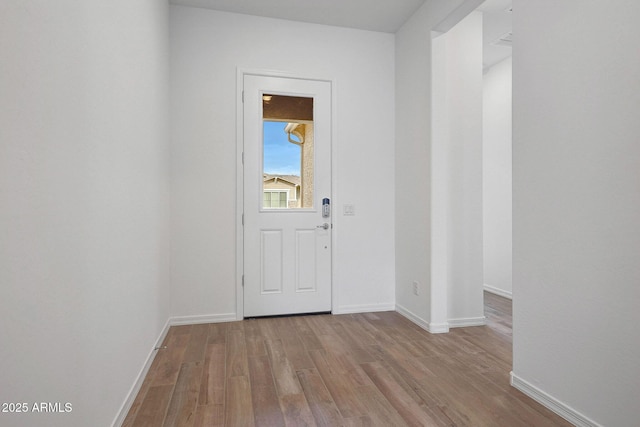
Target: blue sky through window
column 280, row 156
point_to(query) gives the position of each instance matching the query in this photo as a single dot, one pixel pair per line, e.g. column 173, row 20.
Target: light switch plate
column 348, row 210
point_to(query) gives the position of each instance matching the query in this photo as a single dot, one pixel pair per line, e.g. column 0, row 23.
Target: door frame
column 240, row 74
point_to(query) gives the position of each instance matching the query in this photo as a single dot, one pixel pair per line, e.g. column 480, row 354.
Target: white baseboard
column 363, row 308
column 552, row 403
column 467, row 321
column 497, row 291
column 440, row 328
column 205, row 318
column 434, row 328
column 135, row 389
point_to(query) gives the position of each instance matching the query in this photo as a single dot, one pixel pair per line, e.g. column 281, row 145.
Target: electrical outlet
column 416, row 288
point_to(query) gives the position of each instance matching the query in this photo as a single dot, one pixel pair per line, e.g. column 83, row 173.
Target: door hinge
column 243, row 157
column 243, row 280
column 242, row 219
column 242, row 96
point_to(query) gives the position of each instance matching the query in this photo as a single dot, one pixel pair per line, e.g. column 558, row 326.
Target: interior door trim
column 240, row 74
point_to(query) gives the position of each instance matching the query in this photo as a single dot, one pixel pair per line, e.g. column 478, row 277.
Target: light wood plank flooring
column 374, row 369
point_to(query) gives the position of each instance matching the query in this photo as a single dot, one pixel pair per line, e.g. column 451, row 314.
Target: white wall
column 496, row 158
column 576, row 204
column 83, row 203
column 412, row 167
column 207, row 47
column 457, row 163
column 446, row 263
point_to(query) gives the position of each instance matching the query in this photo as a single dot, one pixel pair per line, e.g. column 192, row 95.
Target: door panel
column 306, row 243
column 287, row 252
column 271, row 261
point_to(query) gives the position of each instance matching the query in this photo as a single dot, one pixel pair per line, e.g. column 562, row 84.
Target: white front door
column 287, row 178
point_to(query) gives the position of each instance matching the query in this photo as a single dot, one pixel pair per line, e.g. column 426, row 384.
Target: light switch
column 348, row 210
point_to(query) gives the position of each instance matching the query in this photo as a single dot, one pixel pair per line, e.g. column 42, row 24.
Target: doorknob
column 324, row 226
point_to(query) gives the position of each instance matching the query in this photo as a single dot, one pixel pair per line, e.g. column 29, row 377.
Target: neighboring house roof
column 291, row 179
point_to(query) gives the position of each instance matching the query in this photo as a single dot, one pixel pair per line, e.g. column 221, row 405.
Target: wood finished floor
column 373, row 369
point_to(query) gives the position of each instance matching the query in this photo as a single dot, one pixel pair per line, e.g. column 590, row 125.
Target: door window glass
column 287, row 164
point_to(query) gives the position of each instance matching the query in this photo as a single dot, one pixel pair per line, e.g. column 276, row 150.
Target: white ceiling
column 374, row 15
column 496, row 22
